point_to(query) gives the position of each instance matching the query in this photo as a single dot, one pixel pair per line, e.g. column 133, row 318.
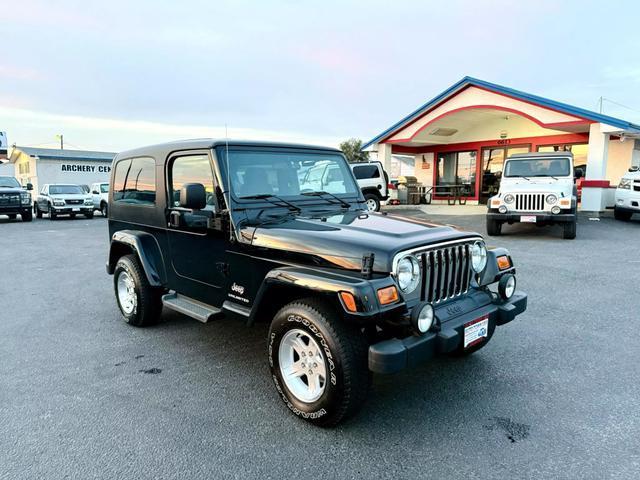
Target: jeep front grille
column 530, row 202
column 446, row 272
column 9, row 199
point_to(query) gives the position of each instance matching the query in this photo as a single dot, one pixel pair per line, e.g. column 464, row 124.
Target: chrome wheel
column 127, row 293
column 302, row 366
column 371, row 205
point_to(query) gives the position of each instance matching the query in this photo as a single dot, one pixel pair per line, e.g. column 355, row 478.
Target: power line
column 601, row 100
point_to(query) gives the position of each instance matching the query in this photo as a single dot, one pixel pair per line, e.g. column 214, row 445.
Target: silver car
column 63, row 199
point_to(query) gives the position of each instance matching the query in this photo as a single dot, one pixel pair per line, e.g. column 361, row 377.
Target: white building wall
column 71, row 171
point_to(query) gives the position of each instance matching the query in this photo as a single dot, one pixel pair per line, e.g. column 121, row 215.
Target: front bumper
column 393, row 355
column 11, row 209
column 69, row 209
column 540, row 217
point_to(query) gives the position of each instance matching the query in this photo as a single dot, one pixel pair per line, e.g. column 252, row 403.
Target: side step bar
column 190, row 307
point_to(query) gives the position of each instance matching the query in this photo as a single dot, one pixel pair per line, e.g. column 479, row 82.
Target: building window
column 456, row 169
column 24, row 168
column 135, row 181
column 579, row 151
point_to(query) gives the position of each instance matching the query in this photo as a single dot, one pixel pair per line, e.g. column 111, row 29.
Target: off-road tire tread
column 353, row 350
column 150, row 298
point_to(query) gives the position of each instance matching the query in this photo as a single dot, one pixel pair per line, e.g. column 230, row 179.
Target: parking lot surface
column 83, row 395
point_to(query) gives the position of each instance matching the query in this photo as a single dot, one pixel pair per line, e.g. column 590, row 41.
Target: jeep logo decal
column 239, row 289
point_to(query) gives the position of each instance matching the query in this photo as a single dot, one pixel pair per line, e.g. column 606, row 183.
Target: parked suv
column 15, row 199
column 63, row 199
column 628, row 195
column 536, row 188
column 373, row 181
column 210, row 228
column 100, row 194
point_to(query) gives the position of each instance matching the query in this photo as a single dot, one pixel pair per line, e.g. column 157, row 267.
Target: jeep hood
column 342, row 240
column 11, row 190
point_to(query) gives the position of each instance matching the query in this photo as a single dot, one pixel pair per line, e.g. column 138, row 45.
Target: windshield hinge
column 367, row 265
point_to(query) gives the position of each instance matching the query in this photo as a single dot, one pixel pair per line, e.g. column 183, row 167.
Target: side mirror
column 29, row 186
column 193, row 196
column 634, row 168
column 95, row 192
column 578, row 173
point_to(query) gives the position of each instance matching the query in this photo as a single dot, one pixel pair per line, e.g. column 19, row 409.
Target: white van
column 628, row 195
column 536, row 188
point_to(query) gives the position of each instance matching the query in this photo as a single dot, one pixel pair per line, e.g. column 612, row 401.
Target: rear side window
column 366, row 171
column 135, row 181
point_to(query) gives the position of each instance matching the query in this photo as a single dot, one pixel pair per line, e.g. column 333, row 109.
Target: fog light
column 422, row 317
column 502, row 209
column 507, row 286
column 555, row 210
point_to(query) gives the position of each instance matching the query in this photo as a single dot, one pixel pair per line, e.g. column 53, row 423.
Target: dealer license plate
column 76, row 209
column 528, row 219
column 476, row 331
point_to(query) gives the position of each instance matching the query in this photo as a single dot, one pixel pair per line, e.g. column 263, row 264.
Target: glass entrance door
column 492, row 162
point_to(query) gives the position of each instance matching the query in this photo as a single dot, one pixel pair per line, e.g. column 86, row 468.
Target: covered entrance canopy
column 461, row 138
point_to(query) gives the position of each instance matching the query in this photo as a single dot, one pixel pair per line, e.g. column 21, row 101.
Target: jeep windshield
column 9, row 182
column 65, row 190
column 256, row 175
column 536, row 167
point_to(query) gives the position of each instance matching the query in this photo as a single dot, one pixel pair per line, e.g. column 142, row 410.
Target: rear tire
column 139, row 302
column 494, row 227
column 339, row 352
column 569, row 230
column 373, row 202
column 621, row 215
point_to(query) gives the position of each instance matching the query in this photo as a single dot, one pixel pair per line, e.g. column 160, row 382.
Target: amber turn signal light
column 388, row 295
column 349, row 301
column 504, row 262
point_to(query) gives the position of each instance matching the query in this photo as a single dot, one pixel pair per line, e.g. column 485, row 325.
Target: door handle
column 174, row 219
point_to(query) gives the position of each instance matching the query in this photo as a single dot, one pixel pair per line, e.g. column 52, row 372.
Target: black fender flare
column 491, row 272
column 372, row 190
column 146, row 247
column 324, row 282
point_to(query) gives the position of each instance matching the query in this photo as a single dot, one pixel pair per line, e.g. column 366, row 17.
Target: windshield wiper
column 268, row 197
column 321, row 193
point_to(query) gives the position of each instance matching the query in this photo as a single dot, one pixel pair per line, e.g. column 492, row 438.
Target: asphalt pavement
column 83, row 395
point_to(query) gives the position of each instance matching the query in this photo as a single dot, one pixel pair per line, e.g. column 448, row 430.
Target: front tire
column 104, row 209
column 27, row 215
column 37, row 210
column 621, row 215
column 12, row 216
column 139, row 302
column 494, row 227
column 336, row 385
column 89, row 215
column 373, row 202
column 569, row 230
column 52, row 213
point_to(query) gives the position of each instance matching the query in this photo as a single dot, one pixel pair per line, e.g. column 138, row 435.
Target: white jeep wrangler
column 536, row 188
column 628, row 195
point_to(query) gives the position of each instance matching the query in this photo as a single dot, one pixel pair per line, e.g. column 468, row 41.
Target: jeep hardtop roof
column 164, row 149
column 516, row 156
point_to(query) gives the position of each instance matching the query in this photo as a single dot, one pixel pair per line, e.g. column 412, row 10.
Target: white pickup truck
column 536, row 188
column 628, row 195
column 100, row 195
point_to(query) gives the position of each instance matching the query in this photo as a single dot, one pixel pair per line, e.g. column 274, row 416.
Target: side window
column 366, row 171
column 192, row 169
column 135, row 181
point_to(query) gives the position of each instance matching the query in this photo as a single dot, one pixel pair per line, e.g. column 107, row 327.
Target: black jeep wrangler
column 211, row 228
column 15, row 199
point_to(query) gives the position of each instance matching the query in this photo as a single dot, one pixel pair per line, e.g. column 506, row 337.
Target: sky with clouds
column 120, row 74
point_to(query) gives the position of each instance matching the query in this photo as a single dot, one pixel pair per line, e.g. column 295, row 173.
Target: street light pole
column 61, row 137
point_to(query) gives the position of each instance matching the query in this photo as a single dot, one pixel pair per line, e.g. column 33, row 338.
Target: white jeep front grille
column 530, row 202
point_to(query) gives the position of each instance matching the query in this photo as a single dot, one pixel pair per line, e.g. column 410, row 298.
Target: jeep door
column 196, row 250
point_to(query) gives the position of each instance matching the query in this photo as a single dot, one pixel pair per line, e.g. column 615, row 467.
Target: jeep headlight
column 408, row 273
column 59, row 203
column 25, row 198
column 508, row 198
column 551, row 199
column 625, row 184
column 478, row 256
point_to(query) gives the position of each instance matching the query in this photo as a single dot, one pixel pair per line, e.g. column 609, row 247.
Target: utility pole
column 61, row 137
column 600, row 102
